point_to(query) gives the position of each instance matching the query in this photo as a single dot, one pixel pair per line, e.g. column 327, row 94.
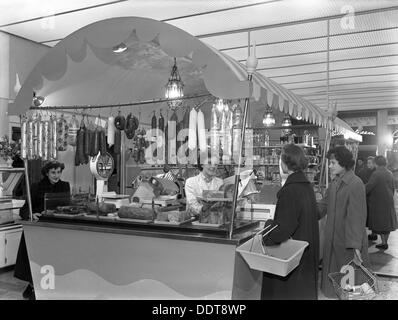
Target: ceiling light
column 174, row 88
column 37, row 100
column 221, row 105
column 119, row 48
column 268, row 119
column 286, row 121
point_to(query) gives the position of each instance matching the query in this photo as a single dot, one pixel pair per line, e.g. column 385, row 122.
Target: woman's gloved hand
column 357, row 257
column 269, row 224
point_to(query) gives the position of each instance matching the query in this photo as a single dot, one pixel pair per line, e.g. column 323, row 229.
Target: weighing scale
column 102, row 167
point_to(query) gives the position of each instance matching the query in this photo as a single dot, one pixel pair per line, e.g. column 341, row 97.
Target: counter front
column 93, row 261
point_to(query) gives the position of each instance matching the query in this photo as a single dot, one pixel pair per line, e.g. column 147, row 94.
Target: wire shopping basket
column 365, row 287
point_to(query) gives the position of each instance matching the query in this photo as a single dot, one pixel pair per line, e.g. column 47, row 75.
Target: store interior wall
column 4, row 71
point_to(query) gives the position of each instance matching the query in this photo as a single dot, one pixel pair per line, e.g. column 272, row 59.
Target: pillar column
column 4, row 82
column 382, row 132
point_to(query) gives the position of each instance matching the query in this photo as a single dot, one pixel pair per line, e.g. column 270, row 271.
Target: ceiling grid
column 291, row 38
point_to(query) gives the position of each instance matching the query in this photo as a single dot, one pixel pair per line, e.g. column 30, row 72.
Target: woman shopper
column 297, row 218
column 345, row 206
column 380, row 190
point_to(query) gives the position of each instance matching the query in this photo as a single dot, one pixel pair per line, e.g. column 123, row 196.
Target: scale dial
column 102, row 166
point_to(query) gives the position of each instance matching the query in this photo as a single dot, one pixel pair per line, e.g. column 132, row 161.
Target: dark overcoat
column 365, row 174
column 345, row 229
column 296, row 215
column 380, row 192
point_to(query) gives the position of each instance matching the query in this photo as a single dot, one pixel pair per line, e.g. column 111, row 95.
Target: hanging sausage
column 237, row 116
column 214, row 132
column 202, row 132
column 102, row 142
column 94, row 142
column 228, row 134
column 111, row 131
column 87, row 141
column 77, row 153
column 118, row 141
column 39, row 149
column 131, row 126
column 62, row 134
column 35, row 149
column 80, row 157
column 172, row 137
column 166, row 139
column 120, row 121
column 46, row 140
column 29, row 138
column 24, row 148
column 154, row 131
column 160, row 139
column 54, row 137
column 193, row 115
column 72, row 131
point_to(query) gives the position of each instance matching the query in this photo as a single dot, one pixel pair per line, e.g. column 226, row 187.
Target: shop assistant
column 50, row 183
column 194, row 187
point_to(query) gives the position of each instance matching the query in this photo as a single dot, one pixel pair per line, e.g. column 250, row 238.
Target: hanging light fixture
column 221, row 105
column 174, row 88
column 286, row 122
column 37, row 100
column 268, row 119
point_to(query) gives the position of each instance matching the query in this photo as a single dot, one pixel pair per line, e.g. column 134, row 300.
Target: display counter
column 97, row 260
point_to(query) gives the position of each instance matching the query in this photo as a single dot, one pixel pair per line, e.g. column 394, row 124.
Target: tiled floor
column 385, row 265
column 385, row 262
column 388, row 289
column 10, row 288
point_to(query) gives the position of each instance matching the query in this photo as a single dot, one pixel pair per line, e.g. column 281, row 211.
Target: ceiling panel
column 291, row 37
column 366, row 22
column 21, row 10
column 370, row 62
column 362, row 39
column 363, row 72
column 273, row 13
column 228, row 40
column 62, row 25
column 290, row 32
column 281, row 49
column 287, row 63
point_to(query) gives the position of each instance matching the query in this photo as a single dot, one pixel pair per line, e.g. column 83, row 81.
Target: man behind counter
column 194, row 187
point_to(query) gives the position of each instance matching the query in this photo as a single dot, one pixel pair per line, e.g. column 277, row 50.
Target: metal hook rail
column 138, row 103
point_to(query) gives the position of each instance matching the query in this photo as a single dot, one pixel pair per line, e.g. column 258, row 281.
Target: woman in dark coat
column 345, row 230
column 297, row 218
column 51, row 183
column 380, row 191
